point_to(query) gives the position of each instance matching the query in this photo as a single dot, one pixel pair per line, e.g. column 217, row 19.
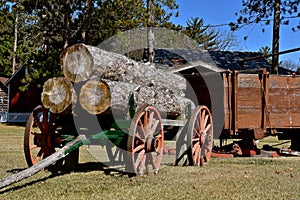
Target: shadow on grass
column 107, row 168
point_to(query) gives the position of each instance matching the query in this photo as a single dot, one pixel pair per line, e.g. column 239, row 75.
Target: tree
column 291, row 65
column 266, row 51
column 208, row 37
column 45, row 28
column 203, row 35
column 6, row 39
column 226, row 41
column 255, row 11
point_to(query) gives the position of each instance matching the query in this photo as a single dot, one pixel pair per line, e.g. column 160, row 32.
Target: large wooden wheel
column 200, row 136
column 145, row 141
column 43, row 133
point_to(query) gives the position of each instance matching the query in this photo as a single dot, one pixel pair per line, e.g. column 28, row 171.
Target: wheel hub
column 153, row 144
column 47, row 140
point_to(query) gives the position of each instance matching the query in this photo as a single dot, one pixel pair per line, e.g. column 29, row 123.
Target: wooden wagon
column 250, row 104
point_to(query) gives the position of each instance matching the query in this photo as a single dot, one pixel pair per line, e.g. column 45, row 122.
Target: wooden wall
column 3, row 98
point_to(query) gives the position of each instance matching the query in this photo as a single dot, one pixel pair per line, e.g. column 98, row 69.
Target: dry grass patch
column 237, row 178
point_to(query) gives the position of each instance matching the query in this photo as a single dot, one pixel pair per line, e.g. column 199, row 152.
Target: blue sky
column 223, row 11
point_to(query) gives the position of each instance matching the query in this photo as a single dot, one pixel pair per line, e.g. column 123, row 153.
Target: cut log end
column 58, row 93
column 95, row 96
column 76, row 62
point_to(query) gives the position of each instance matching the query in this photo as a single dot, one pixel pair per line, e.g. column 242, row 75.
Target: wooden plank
column 284, row 101
column 249, row 101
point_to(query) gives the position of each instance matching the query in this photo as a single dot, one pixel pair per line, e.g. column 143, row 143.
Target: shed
column 3, row 99
column 17, row 105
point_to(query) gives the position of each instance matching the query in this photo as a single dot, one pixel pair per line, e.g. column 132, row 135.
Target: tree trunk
column 275, row 42
column 150, row 33
column 67, row 19
column 97, row 96
column 58, row 94
column 14, row 67
column 81, row 62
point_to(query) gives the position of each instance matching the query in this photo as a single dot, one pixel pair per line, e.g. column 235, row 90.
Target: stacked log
column 58, row 94
column 109, row 78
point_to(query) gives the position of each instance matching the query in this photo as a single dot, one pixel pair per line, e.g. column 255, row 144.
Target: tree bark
column 97, row 96
column 82, row 62
column 275, row 41
column 58, row 94
column 111, row 78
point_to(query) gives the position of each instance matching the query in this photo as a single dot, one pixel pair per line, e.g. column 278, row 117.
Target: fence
column 14, row 117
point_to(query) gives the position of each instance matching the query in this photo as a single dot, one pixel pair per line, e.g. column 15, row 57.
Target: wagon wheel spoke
column 45, row 120
column 203, row 116
column 38, row 156
column 207, row 128
column 205, row 122
column 139, row 139
column 33, row 147
column 196, row 134
column 138, row 148
column 39, row 123
column 196, row 152
column 151, row 116
column 146, row 122
column 141, row 128
column 153, row 128
column 140, row 162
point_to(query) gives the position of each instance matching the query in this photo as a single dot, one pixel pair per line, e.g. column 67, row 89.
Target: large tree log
column 97, row 96
column 58, row 94
column 81, row 62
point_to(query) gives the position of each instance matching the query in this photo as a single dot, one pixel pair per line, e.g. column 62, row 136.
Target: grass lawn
column 232, row 178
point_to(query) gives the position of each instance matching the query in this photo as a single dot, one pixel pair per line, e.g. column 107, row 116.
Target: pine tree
column 203, row 35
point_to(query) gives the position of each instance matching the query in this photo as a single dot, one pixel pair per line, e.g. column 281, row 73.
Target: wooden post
column 265, row 98
column 234, row 103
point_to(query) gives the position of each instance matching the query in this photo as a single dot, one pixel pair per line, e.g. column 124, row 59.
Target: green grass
column 235, row 178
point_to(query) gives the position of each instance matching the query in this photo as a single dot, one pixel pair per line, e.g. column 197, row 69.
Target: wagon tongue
column 63, row 152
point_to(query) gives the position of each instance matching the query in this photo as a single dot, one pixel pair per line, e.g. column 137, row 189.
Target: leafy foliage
column 6, row 39
column 257, row 11
column 208, row 37
column 204, row 36
column 266, row 51
column 45, row 28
